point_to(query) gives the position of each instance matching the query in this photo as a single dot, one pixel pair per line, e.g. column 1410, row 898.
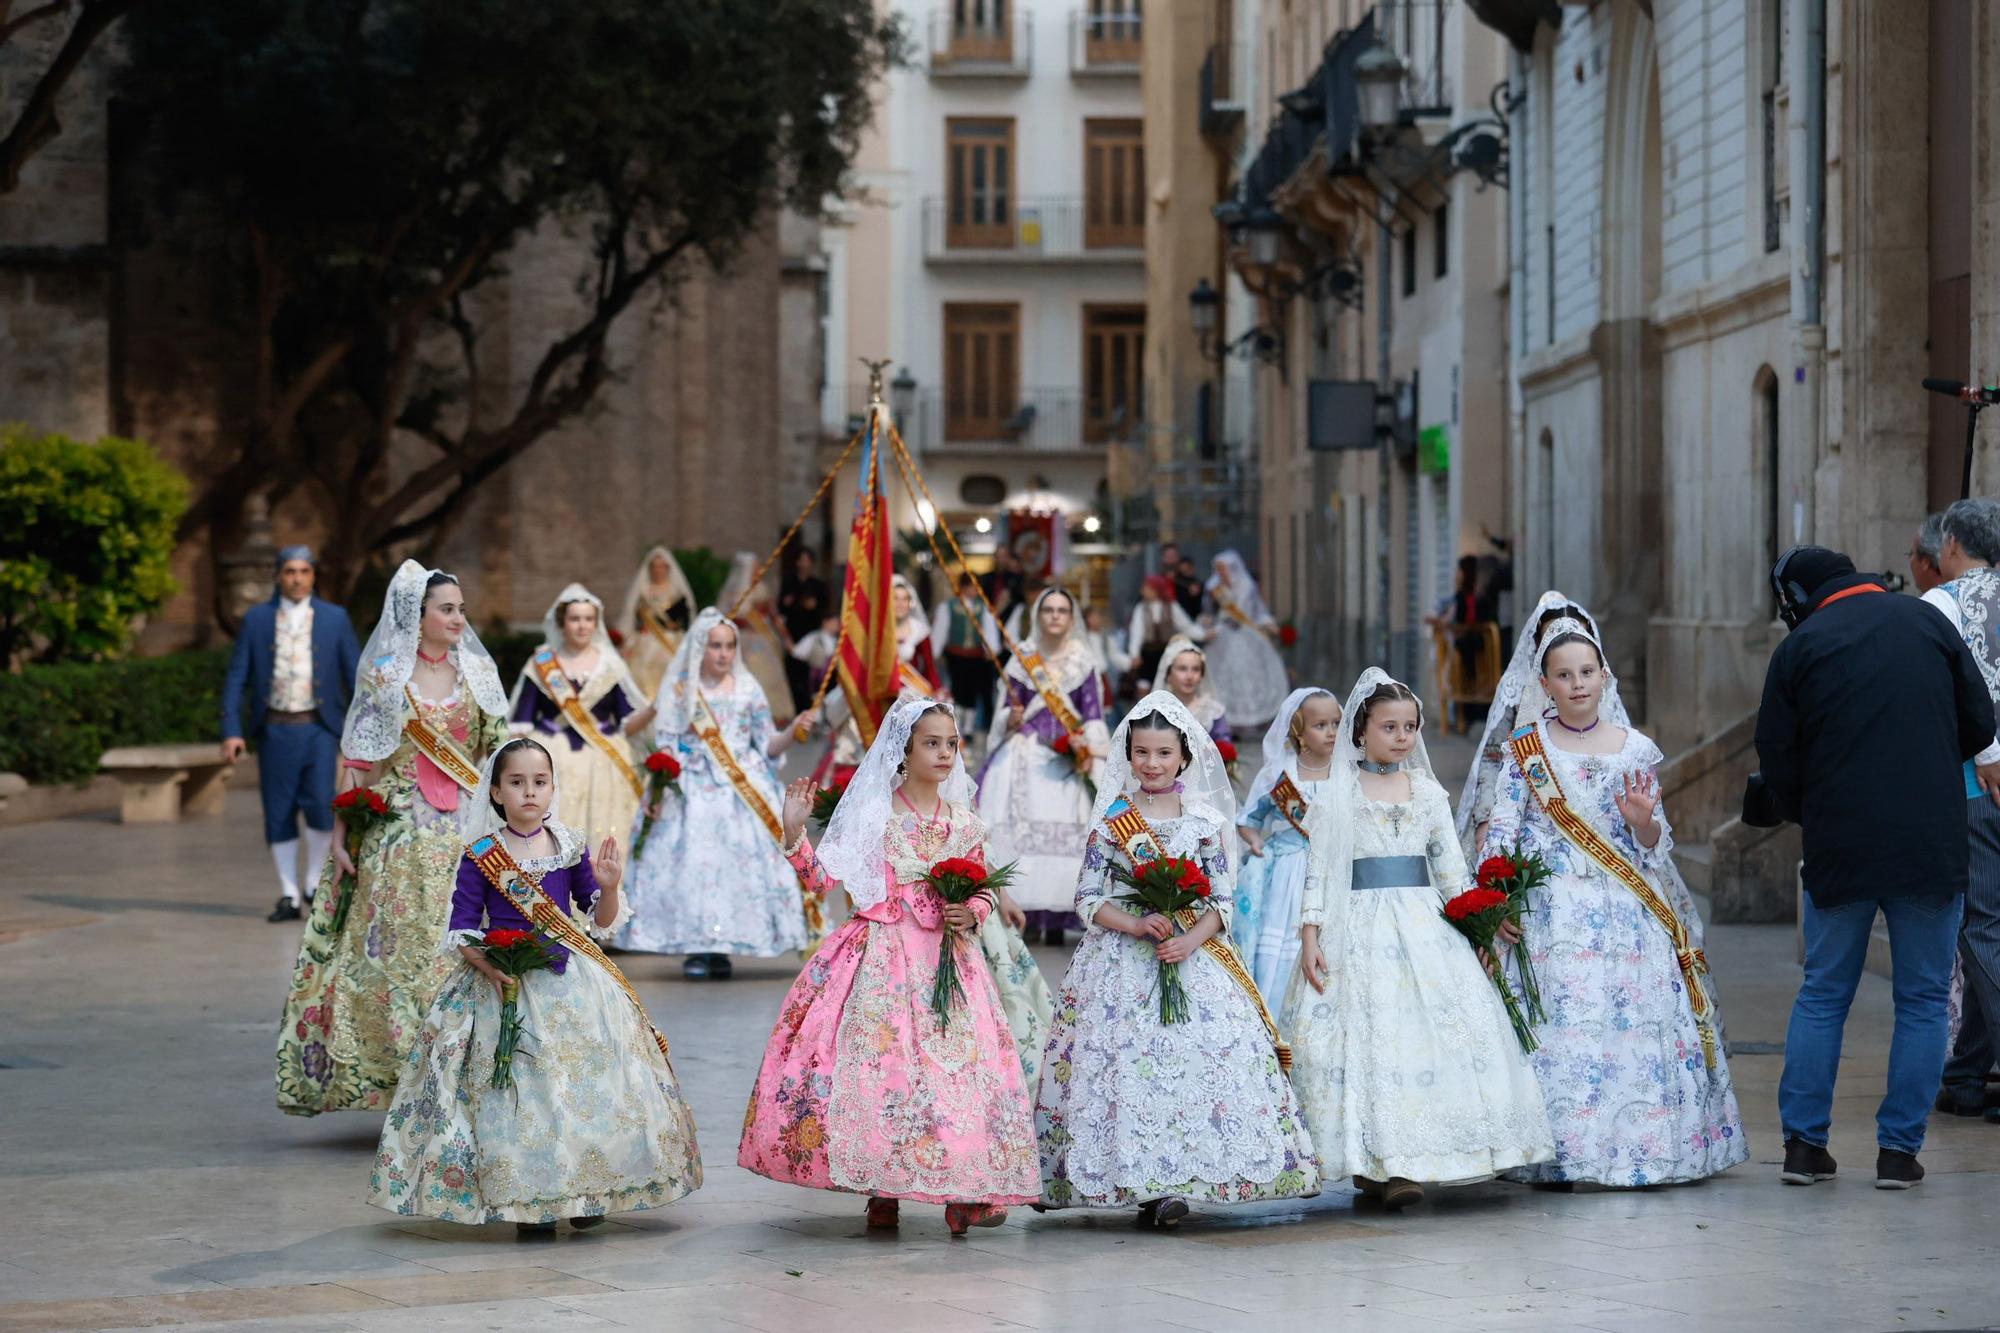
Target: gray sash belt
column 1392, row 872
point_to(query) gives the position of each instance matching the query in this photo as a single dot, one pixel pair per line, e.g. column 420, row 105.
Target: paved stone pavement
column 150, row 1181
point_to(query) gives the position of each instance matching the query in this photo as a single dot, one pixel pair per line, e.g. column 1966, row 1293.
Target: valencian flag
column 867, row 661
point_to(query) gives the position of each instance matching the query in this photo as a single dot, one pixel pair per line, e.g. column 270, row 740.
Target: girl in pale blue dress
column 1298, row 756
column 709, row 880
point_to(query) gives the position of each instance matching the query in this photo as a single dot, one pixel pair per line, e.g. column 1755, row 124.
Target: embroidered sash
column 705, row 725
column 438, row 747
column 1141, row 844
column 1291, row 803
column 552, row 920
column 555, row 683
column 653, row 623
column 1053, row 699
column 1232, row 610
column 1529, row 753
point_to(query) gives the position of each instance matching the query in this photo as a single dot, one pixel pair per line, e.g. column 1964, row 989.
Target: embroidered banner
column 1291, row 803
column 439, row 748
column 1540, row 773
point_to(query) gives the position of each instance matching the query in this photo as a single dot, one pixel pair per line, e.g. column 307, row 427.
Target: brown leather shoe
column 883, row 1214
column 959, row 1216
column 1401, row 1193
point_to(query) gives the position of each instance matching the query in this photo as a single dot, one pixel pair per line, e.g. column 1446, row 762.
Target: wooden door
column 979, row 164
column 981, row 31
column 982, row 370
column 1114, row 358
column 1111, row 32
column 1114, row 184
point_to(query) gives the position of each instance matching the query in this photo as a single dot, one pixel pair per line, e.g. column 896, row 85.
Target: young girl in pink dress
column 863, row 1087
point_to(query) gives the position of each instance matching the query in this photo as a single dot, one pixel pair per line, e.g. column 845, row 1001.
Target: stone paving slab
column 151, row 1182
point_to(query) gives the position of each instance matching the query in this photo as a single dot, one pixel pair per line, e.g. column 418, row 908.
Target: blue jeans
column 1923, row 935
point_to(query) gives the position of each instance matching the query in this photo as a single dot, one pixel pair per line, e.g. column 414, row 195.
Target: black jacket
column 1871, row 706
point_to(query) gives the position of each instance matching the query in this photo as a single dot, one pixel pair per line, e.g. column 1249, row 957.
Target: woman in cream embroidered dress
column 1242, row 648
column 710, row 881
column 1030, row 796
column 1403, row 1057
column 1516, row 701
column 1133, row 1110
column 594, row 1122
column 1629, row 1090
column 863, row 1088
column 599, row 797
column 658, row 609
column 358, row 995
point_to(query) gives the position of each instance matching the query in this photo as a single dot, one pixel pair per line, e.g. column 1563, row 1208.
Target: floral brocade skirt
column 358, row 997
column 594, row 1124
column 863, row 1088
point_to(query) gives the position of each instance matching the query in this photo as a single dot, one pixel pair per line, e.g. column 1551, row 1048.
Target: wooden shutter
column 979, row 164
column 1111, row 32
column 1114, row 358
column 980, row 31
column 1114, row 184
column 982, row 370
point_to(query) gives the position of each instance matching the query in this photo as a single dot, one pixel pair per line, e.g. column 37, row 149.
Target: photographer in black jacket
column 1870, row 706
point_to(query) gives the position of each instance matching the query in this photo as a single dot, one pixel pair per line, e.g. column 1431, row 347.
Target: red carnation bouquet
column 663, row 773
column 1227, row 749
column 516, row 953
column 359, row 809
column 1478, row 915
column 1288, row 634
column 1166, row 885
column 1079, row 757
column 1514, row 874
column 959, row 879
column 827, row 799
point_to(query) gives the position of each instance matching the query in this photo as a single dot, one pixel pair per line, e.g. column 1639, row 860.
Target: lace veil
column 1205, row 785
column 374, row 725
column 852, row 851
column 552, row 637
column 1279, row 757
column 1243, row 589
column 1517, row 699
column 683, row 678
column 678, row 589
column 1330, row 822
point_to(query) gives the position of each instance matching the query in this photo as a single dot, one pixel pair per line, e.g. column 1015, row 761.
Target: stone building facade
column 117, row 318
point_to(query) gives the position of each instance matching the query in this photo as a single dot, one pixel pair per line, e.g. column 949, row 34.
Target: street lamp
column 903, row 397
column 1378, row 76
column 1204, row 304
column 1264, row 224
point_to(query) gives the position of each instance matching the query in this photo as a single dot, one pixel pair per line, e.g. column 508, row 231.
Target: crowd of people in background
column 625, row 798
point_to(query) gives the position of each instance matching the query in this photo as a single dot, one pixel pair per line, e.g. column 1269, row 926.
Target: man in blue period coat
column 296, row 655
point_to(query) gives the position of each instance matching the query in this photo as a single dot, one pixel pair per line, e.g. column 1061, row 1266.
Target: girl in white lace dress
column 1404, row 1060
column 1133, row 1110
column 1630, row 1061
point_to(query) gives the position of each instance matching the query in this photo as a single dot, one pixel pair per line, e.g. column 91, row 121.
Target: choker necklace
column 1379, row 770
column 1579, row 731
column 524, row 837
column 1144, row 790
column 439, row 660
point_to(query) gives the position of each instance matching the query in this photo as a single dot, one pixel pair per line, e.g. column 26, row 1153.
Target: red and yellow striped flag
column 867, row 659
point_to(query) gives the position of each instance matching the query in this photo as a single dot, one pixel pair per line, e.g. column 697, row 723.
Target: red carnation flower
column 1474, row 901
column 355, row 798
column 1496, row 868
column 1060, row 744
column 659, row 761
column 501, row 939
column 617, row 637
column 842, row 777
column 962, row 866
column 1288, row 634
column 1227, row 749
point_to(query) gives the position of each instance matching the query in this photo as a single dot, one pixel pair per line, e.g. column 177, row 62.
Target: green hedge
column 56, row 722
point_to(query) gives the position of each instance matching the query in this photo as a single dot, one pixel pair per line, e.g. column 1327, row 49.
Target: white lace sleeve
column 1094, row 887
column 618, row 922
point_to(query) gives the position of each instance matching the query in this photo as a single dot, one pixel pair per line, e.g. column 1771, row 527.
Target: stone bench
column 161, row 784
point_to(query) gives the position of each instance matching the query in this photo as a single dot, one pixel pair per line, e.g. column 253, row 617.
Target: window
column 982, row 370
column 1111, row 32
column 1545, row 510
column 979, row 162
column 1114, row 184
column 980, row 31
column 1771, row 458
column 1114, row 358
column 1771, row 39
column 1409, row 261
column 1441, row 241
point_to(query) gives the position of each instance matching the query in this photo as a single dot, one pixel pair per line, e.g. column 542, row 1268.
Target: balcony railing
column 1221, row 107
column 990, row 40
column 1041, row 421
column 1000, row 230
column 1104, row 43
column 1415, row 30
